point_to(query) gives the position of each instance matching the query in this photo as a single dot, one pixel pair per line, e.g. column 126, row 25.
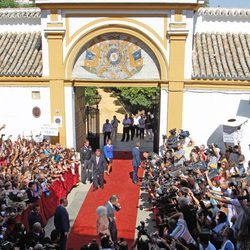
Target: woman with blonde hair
column 102, row 224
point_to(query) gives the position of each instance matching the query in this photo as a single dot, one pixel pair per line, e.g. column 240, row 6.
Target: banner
column 49, row 129
column 231, row 134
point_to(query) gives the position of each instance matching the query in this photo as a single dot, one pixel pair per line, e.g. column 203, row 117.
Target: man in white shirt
column 106, row 129
column 114, row 123
column 136, row 124
column 126, row 124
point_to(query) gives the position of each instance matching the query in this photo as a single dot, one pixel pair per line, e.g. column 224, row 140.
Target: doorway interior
column 100, row 104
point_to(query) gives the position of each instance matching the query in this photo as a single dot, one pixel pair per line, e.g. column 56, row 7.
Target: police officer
column 85, row 156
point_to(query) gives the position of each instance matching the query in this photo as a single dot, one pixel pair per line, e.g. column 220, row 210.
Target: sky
column 230, row 3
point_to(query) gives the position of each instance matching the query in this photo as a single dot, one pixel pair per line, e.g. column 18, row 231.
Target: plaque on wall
column 36, row 112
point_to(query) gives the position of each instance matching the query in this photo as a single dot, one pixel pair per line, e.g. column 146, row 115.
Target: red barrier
column 59, row 188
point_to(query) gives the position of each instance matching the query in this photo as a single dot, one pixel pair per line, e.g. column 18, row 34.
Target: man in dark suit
column 136, row 161
column 99, row 164
column 31, row 192
column 61, row 221
column 112, row 206
column 35, row 216
column 85, row 156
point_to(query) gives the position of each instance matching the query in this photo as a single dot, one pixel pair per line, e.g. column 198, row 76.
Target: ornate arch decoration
column 91, row 34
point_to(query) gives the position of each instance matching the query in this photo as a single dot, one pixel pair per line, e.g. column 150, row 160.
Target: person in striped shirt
column 179, row 229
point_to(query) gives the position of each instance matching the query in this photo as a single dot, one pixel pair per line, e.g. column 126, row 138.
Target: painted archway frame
column 115, row 28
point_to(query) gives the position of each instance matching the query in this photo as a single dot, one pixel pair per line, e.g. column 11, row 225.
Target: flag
column 137, row 55
column 90, row 55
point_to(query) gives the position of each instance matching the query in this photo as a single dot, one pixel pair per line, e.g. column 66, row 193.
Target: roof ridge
column 219, row 11
column 221, row 33
column 32, row 12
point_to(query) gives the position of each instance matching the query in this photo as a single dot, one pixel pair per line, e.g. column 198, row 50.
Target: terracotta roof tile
column 223, row 12
column 20, row 13
column 221, row 56
column 20, row 54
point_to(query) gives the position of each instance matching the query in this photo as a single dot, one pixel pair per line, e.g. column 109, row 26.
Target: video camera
column 175, row 137
column 141, row 228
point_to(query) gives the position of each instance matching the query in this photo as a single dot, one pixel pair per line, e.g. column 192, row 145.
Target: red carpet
column 120, row 183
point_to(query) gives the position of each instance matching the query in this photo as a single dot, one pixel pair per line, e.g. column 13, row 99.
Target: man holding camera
column 179, row 155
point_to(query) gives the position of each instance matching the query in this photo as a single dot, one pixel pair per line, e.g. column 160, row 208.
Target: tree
column 206, row 3
column 89, row 95
column 15, row 4
column 8, row 4
column 135, row 99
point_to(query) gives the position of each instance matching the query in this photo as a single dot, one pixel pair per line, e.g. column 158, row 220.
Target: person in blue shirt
column 136, row 161
column 109, row 155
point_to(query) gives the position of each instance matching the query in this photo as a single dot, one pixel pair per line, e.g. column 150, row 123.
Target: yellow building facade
column 199, row 57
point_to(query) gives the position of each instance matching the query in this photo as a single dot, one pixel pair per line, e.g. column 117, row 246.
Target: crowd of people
column 199, row 196
column 134, row 126
column 27, row 170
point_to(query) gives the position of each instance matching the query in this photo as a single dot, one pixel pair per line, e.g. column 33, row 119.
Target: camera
column 183, row 134
column 141, row 229
column 6, row 245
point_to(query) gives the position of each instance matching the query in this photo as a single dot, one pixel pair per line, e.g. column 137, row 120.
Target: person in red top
column 203, row 156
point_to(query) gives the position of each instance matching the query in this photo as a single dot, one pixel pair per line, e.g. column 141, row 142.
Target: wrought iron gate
column 93, row 128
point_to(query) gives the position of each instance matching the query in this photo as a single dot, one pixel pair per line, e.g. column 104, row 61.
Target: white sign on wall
column 231, row 133
column 49, row 129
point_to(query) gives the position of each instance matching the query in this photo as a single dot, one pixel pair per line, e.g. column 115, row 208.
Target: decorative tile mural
column 116, row 56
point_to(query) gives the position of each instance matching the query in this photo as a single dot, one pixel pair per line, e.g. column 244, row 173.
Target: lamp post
column 155, row 101
column 97, row 99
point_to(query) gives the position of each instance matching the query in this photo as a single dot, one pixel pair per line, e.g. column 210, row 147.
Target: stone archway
column 116, row 56
column 111, row 55
column 123, row 33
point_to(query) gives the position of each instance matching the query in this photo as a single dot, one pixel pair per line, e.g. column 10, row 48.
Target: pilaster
column 55, row 36
column 177, row 35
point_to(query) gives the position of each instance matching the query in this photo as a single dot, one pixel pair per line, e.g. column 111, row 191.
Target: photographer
column 152, row 158
column 198, row 197
column 179, row 155
column 143, row 240
column 178, row 229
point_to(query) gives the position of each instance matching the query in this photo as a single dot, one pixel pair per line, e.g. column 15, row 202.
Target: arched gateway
column 124, row 45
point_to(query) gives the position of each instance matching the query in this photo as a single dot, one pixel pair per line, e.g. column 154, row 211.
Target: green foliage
column 135, row 99
column 14, row 4
column 89, row 95
column 8, row 4
column 206, row 4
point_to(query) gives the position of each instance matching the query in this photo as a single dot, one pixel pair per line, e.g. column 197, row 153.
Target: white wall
column 163, row 115
column 222, row 24
column 16, row 110
column 204, row 112
column 189, row 19
column 20, row 24
column 69, row 116
column 45, row 48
